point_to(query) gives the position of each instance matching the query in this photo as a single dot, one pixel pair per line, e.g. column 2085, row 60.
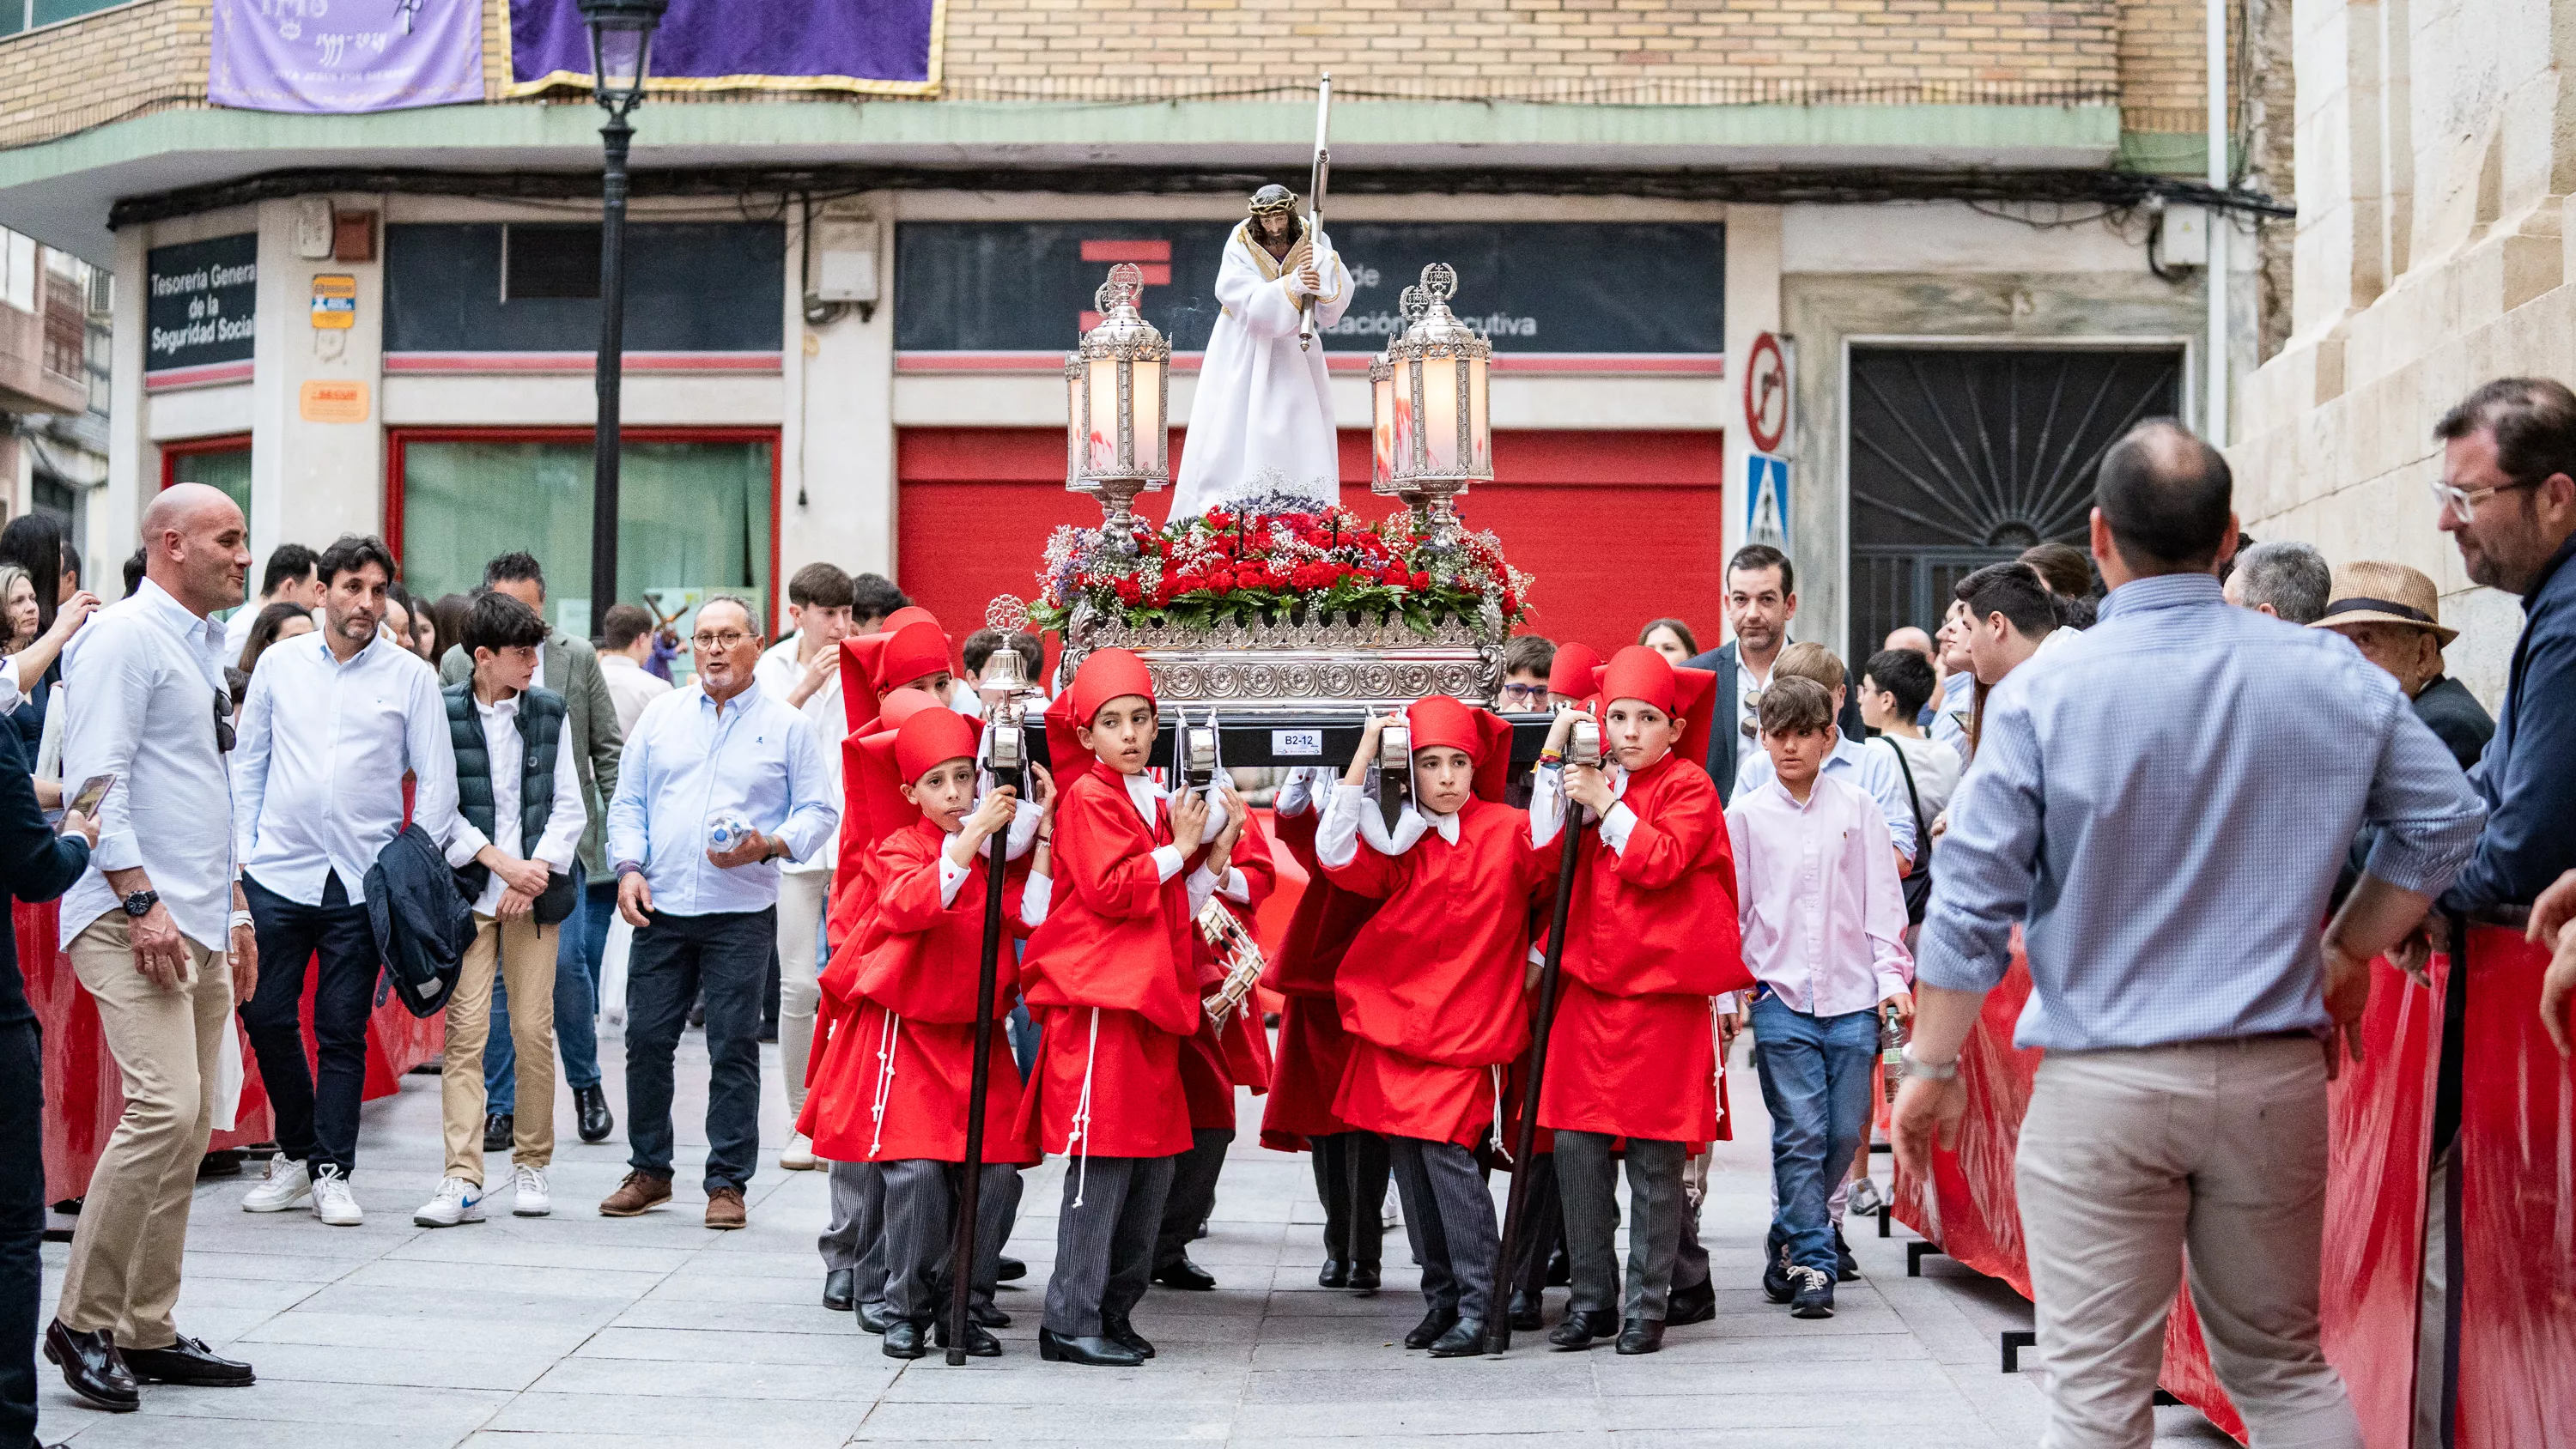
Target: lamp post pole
column 610, row 371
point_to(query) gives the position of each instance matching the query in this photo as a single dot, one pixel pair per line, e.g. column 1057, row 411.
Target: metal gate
column 1963, row 457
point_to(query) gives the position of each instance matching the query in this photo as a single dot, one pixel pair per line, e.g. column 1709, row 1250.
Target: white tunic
column 1262, row 418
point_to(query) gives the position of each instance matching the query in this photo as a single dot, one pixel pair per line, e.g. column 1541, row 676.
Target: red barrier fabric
column 2517, row 1154
column 2517, row 1149
column 83, row 1096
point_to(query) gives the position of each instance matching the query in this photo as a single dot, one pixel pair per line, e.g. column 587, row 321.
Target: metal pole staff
column 970, row 1191
column 1498, row 1320
column 610, row 372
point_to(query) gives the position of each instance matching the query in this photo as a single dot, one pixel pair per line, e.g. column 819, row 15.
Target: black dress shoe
column 1846, row 1267
column 1122, row 1332
column 187, row 1361
column 1086, row 1348
column 1697, row 1304
column 841, row 1289
column 499, row 1130
column 1364, row 1277
column 591, row 1103
column 906, row 1339
column 1183, row 1274
column 93, row 1368
column 1560, row 1269
column 1529, row 1310
column 1012, row 1269
column 1641, row 1335
column 1581, row 1327
column 1334, row 1274
column 1465, row 1337
column 874, row 1317
column 979, row 1343
column 1434, row 1323
column 988, row 1315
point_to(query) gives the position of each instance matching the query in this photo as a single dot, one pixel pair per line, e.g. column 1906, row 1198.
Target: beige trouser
column 801, row 897
column 2129, row 1157
column 523, row 953
column 124, row 1270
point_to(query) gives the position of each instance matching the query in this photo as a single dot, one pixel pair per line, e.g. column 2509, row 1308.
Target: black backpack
column 1918, row 878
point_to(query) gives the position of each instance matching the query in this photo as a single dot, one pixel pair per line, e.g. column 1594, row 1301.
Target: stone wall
column 2436, row 156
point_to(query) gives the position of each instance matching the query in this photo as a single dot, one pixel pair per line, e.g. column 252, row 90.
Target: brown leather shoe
column 638, row 1193
column 724, row 1208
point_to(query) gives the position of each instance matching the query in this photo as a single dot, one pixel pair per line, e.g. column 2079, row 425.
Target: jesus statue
column 1262, row 419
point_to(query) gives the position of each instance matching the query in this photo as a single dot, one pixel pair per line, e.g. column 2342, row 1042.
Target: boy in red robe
column 1351, row 1166
column 1110, row 979
column 1651, row 937
column 916, row 969
column 1432, row 989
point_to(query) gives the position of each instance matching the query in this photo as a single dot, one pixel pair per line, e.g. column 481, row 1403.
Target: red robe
column 1650, row 938
column 1313, row 1047
column 1213, row 1064
column 1432, row 984
column 1110, row 977
column 907, row 1039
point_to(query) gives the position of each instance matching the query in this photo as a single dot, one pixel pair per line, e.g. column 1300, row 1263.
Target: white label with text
column 1297, row 744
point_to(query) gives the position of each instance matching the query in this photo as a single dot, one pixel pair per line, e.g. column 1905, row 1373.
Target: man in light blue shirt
column 2163, row 807
column 706, row 919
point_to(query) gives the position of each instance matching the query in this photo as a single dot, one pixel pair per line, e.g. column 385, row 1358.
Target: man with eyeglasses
column 706, row 915
column 2507, row 497
column 157, row 932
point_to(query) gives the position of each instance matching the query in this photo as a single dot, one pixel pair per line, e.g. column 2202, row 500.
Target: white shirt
column 1748, row 701
column 237, row 629
column 13, row 693
column 779, row 672
column 1144, row 794
column 324, row 747
column 140, row 684
column 630, row 688
column 688, row 760
column 1816, row 895
column 1950, row 712
column 1547, row 807
column 1936, row 770
column 1348, row 817
column 507, row 753
column 1873, row 770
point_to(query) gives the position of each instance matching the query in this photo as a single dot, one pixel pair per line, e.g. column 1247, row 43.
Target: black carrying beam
column 1260, row 740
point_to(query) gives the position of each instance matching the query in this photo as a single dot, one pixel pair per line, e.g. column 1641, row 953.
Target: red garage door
column 1617, row 527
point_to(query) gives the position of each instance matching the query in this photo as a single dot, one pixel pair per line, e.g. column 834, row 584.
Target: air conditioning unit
column 101, row 292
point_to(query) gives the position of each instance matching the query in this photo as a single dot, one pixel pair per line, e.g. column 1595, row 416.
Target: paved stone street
column 579, row 1332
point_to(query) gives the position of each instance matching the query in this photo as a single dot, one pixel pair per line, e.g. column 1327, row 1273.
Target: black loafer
column 841, row 1289
column 591, row 1106
column 1529, row 1311
column 92, row 1368
column 1185, row 1275
column 988, row 1315
column 1846, row 1267
column 187, row 1361
column 875, row 1317
column 499, row 1129
column 979, row 1343
column 1434, row 1323
column 1560, row 1268
column 1012, row 1270
column 1334, row 1274
column 1086, row 1349
column 1465, row 1337
column 1364, row 1278
column 1695, row 1304
column 1122, row 1332
column 905, row 1339
column 1581, row 1327
column 1641, row 1335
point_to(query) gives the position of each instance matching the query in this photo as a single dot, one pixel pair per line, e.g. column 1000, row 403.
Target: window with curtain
column 693, row 519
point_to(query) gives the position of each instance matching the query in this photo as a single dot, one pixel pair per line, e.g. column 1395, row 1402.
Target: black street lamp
column 621, row 50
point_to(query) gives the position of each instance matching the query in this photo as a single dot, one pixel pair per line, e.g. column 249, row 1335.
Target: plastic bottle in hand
column 1891, row 1049
column 725, row 830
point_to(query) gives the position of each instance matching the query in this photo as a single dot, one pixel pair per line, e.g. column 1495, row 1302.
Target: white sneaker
column 798, row 1154
column 1865, row 1196
column 288, row 1182
column 333, row 1203
column 458, row 1201
column 528, row 1192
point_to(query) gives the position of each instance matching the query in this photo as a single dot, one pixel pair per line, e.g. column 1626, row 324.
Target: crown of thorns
column 1272, row 199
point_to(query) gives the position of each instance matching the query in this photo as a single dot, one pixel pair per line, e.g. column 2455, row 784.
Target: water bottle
column 725, row 830
column 1891, row 1048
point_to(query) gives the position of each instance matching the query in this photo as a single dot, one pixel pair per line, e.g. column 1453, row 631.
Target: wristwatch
column 140, row 904
column 1917, row 1067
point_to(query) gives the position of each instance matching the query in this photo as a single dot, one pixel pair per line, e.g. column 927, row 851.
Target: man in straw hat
column 2393, row 615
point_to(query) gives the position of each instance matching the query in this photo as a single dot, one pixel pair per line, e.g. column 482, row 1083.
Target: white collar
column 503, row 709
column 1447, row 824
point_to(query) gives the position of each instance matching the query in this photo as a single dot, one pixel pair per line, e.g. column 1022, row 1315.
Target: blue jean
column 576, row 1011
column 1816, row 1085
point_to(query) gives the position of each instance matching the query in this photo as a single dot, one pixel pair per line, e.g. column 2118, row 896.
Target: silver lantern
column 1117, row 395
column 1431, row 423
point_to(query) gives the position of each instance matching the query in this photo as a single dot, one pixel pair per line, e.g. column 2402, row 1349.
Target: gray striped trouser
column 921, row 1227
column 856, row 1237
column 1104, row 1245
column 1449, row 1216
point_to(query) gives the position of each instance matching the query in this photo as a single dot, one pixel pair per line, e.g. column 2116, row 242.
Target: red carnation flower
column 1421, row 580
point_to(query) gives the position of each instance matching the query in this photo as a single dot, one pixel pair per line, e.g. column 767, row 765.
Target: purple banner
column 335, row 56
column 881, row 47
